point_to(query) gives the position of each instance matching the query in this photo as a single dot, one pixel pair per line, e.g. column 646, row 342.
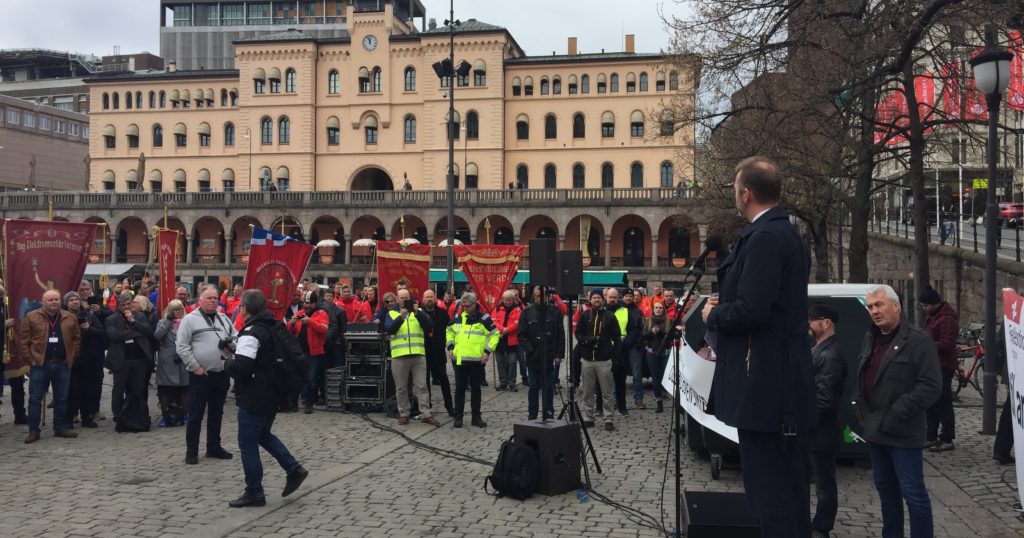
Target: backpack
column 134, row 416
column 515, row 472
column 291, row 367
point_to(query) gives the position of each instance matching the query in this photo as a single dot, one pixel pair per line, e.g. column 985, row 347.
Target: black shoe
column 245, row 501
column 218, row 453
column 623, row 413
column 500, row 388
column 478, row 422
column 21, row 420
column 660, row 408
column 191, row 459
column 295, row 479
column 457, row 423
column 514, row 388
column 1005, row 459
column 89, row 423
column 588, row 423
column 293, row 409
column 608, row 426
column 308, row 410
column 484, row 383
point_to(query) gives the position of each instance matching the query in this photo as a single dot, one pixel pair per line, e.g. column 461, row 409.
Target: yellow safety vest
column 409, row 340
column 622, row 316
column 471, row 341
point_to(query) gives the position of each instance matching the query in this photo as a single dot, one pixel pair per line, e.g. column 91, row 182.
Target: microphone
column 711, row 244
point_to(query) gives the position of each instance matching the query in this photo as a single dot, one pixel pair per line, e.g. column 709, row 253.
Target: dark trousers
column 92, row 389
column 82, row 388
column 316, row 370
column 774, row 468
column 941, row 412
column 824, row 463
column 254, row 433
column 620, row 369
column 1003, row 446
column 899, row 477
column 535, row 377
column 17, row 396
column 437, row 372
column 131, row 380
column 206, row 393
column 469, row 374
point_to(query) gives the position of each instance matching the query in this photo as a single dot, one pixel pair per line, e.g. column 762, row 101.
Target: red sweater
column 499, row 315
column 356, row 311
column 316, row 331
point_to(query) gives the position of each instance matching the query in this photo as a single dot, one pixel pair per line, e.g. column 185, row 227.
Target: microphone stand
column 571, row 409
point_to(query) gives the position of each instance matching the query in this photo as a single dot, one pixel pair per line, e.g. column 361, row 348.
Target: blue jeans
column 549, row 392
column 317, row 364
column 899, row 473
column 655, row 363
column 253, row 433
column 40, row 377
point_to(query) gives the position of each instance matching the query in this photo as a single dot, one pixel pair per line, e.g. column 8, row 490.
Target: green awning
column 590, row 278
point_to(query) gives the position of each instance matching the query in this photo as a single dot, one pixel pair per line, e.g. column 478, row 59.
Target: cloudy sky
column 539, row 26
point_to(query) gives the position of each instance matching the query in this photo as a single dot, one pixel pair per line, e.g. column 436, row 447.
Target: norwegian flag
column 276, row 264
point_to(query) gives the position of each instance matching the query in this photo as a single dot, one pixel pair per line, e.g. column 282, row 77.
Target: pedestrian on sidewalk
column 942, row 325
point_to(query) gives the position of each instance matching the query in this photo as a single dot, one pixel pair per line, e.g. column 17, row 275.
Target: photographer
column 599, row 340
column 408, row 326
column 204, row 337
column 540, row 325
column 83, row 390
column 310, row 325
column 171, row 375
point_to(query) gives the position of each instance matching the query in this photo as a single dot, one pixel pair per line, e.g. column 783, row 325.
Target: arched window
column 106, row 101
column 333, row 131
column 152, row 99
column 128, row 100
column 522, row 177
column 544, row 86
column 579, row 125
column 528, row 86
column 158, row 136
column 636, row 176
column 607, row 176
column 679, row 243
column 376, row 80
column 673, row 80
column 607, row 125
column 579, row 176
column 266, row 131
column 289, row 80
column 556, row 85
column 229, row 134
column 275, row 80
column 659, row 81
column 522, row 127
column 453, row 125
column 479, row 73
column 116, row 98
column 550, row 127
column 265, row 181
column 614, row 83
column 180, row 135
column 550, row 180
column 410, row 79
column 668, row 123
column 573, row 85
column 258, row 86
column 364, row 80
column 410, row 129
column 371, row 129
column 233, row 95
column 163, row 99
column 204, row 134
column 138, row 100
column 630, row 83
column 333, row 82
column 472, row 176
column 283, row 179
column 517, row 87
column 585, row 84
column 284, row 130
column 472, row 127
column 666, row 174
column 109, row 137
column 223, row 97
column 636, row 124
column 643, row 82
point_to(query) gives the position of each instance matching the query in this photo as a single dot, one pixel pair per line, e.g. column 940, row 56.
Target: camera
column 409, row 304
column 227, row 344
column 82, row 317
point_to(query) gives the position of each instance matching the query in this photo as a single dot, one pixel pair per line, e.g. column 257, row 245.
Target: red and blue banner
column 276, row 265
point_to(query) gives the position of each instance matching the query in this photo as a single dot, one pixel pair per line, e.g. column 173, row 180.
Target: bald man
column 51, row 339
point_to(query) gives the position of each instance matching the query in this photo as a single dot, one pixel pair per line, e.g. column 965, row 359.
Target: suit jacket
column 118, row 333
column 35, row 332
column 829, row 378
column 763, row 376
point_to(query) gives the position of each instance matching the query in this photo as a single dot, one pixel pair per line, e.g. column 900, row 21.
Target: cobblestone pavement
column 365, row 482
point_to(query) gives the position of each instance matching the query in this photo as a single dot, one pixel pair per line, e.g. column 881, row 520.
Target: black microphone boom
column 711, row 244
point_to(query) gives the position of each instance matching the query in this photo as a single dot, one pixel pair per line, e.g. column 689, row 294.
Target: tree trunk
column 922, row 275
column 819, row 233
column 860, row 203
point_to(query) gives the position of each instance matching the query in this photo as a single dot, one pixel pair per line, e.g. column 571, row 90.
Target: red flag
column 167, row 248
column 276, row 264
column 41, row 256
column 1015, row 94
column 951, row 94
column 489, row 269
column 403, row 263
column 924, row 89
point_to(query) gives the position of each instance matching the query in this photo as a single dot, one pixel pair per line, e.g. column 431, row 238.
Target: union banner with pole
column 489, row 270
column 40, row 256
column 276, row 265
column 399, row 262
column 1013, row 330
column 167, row 252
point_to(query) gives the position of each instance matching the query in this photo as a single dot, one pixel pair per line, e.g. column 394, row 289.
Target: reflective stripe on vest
column 470, row 340
column 409, row 339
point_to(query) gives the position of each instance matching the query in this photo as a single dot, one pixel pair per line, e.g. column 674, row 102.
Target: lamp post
column 991, row 75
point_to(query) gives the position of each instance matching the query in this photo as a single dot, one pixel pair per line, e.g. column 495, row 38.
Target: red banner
column 489, row 269
column 403, row 263
column 951, row 94
column 276, row 265
column 1015, row 94
column 41, row 256
column 167, row 252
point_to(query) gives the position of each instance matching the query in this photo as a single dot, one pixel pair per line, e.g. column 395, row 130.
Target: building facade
column 42, row 147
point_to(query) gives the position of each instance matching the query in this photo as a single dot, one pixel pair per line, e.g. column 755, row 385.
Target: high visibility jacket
column 469, row 337
column 410, row 339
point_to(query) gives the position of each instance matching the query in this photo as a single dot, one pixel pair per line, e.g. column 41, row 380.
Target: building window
column 410, row 79
column 673, row 81
column 659, row 82
column 333, row 136
column 522, row 128
column 472, row 176
column 472, row 127
column 585, row 84
column 232, row 14
column 463, row 80
column 556, row 86
column 573, row 85
column 550, row 181
column 266, row 131
column 44, row 123
column 289, row 81
column 579, row 125
column 158, row 136
column 233, row 95
column 204, row 140
column 550, row 127
column 229, row 134
column 229, row 185
column 522, row 177
column 376, row 80
column 58, row 126
column 258, row 86
column 364, row 80
column 85, row 132
column 630, row 83
column 116, row 100
column 602, row 84
column 275, row 85
column 614, row 83
column 479, row 79
column 223, row 97
column 528, row 87
column 636, row 176
column 106, row 101
column 446, row 82
column 182, row 15
column 180, row 140
column 128, row 100
column 544, row 85
column 643, row 82
column 371, row 130
column 133, row 140
column 152, row 99
column 410, row 129
column 666, row 175
column 259, row 13
column 29, row 120
column 13, row 116
column 284, row 130
column 138, row 99
column 333, row 82
column 579, row 178
column 163, row 99
column 607, row 125
column 517, row 88
column 607, row 176
column 109, row 141
column 108, row 186
column 636, row 124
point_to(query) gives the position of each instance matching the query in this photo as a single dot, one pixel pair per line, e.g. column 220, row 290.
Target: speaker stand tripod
column 571, row 409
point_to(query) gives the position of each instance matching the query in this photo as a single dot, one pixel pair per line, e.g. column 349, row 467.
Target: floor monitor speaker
column 558, row 451
column 719, row 515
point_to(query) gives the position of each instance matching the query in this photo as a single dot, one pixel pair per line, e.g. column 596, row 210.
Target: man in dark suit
column 764, row 384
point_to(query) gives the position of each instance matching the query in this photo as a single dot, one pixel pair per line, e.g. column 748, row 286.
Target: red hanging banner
column 1015, row 93
column 951, row 94
column 404, row 263
column 276, row 264
column 924, row 89
column 489, row 269
column 167, row 253
column 41, row 256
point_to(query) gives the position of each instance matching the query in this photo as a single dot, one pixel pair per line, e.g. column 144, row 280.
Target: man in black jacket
column 764, row 384
column 829, row 378
column 437, row 360
column 542, row 337
column 631, row 324
column 898, row 379
column 599, row 339
column 83, row 389
column 252, row 368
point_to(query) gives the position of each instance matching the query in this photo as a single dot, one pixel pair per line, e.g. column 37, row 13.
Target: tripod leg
column 586, row 435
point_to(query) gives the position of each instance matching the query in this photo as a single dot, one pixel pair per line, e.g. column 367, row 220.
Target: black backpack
column 134, row 416
column 515, row 472
column 291, row 367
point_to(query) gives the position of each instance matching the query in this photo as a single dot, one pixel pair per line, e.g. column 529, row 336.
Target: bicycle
column 970, row 360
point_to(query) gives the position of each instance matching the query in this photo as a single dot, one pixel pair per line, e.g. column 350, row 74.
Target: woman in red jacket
column 506, row 320
column 309, row 325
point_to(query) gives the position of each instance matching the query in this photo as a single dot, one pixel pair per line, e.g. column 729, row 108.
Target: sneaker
column 639, row 404
column 295, row 479
column 623, row 413
column 608, row 426
column 942, row 446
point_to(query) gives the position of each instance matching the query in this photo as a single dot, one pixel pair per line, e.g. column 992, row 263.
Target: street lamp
column 992, row 76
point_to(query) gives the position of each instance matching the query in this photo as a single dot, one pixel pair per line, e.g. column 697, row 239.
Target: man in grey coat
column 898, row 380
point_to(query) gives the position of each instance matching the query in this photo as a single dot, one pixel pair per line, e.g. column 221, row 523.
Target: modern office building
column 42, row 147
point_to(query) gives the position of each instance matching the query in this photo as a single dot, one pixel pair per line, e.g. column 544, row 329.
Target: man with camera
column 599, row 339
column 84, row 390
column 408, row 327
column 205, row 337
column 309, row 324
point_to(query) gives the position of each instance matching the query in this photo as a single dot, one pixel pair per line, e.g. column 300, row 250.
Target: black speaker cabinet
column 570, row 273
column 542, row 263
column 558, row 448
column 719, row 515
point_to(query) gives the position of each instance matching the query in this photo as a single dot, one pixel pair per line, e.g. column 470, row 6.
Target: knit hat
column 595, row 291
column 929, row 296
column 823, row 311
column 69, row 295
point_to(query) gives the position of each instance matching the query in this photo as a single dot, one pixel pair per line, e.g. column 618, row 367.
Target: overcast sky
column 539, row 26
